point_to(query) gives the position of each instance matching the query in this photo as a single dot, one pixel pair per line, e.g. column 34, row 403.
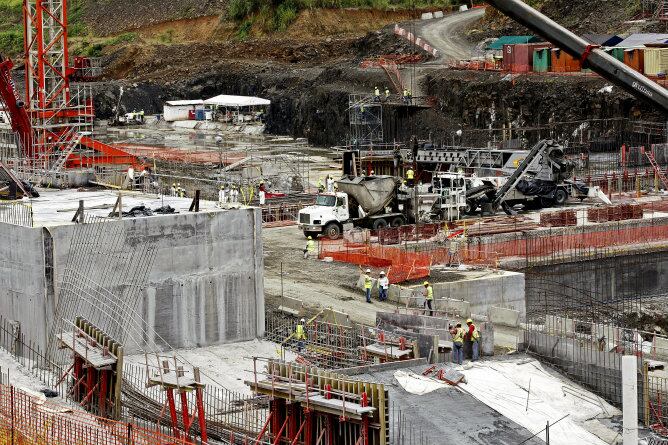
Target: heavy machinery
column 542, row 179
column 377, row 202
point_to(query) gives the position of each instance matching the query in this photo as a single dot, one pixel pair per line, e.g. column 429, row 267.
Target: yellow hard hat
column 426, row 283
column 173, row 184
column 469, row 321
column 310, row 237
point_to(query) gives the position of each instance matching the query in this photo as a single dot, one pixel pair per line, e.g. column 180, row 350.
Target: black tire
column 546, row 202
column 332, row 231
column 397, row 221
column 560, row 197
column 471, row 207
column 379, row 223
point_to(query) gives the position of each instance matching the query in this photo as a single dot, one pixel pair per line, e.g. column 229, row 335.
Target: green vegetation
column 11, row 42
column 277, row 15
column 95, row 49
column 167, row 36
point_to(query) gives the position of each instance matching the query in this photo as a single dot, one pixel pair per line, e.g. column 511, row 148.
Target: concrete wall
column 23, row 279
column 205, row 286
column 504, row 290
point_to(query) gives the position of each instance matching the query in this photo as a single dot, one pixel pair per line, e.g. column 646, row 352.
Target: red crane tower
column 55, row 122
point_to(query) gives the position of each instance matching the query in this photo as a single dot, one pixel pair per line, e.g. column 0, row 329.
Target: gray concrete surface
column 446, row 34
column 448, row 416
column 205, row 286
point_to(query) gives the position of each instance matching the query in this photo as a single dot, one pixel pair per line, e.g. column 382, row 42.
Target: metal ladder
column 65, row 153
column 657, row 169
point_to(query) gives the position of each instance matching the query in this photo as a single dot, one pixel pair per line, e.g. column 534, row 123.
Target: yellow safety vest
column 410, row 173
column 430, row 293
column 459, row 336
column 368, row 284
column 475, row 336
column 310, row 245
column 301, row 335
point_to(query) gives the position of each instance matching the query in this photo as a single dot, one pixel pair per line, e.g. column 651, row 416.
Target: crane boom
column 598, row 60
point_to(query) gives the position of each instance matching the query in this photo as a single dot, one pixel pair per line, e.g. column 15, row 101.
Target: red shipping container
column 518, row 58
column 635, row 58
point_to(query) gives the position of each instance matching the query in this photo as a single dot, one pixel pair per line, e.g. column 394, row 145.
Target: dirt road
column 446, row 34
column 318, row 284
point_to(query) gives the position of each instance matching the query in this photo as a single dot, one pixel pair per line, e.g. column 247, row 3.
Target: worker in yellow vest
column 300, row 334
column 428, row 294
column 473, row 335
column 458, row 344
column 309, row 250
column 410, row 177
column 368, row 284
column 321, row 186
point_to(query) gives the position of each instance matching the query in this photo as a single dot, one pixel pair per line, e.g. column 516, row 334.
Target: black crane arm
column 598, row 60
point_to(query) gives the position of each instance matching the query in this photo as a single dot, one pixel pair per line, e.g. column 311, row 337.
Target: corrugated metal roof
column 640, row 40
column 512, row 40
column 176, row 103
column 602, row 39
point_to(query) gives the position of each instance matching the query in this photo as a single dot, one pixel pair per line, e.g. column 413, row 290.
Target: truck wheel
column 560, row 197
column 380, row 223
column 332, row 231
column 471, row 207
column 397, row 221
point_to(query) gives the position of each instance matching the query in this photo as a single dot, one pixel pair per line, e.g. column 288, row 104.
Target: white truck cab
column 326, row 216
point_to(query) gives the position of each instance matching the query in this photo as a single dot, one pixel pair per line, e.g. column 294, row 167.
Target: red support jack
column 292, row 420
column 200, row 414
column 102, row 402
column 365, row 421
column 184, row 413
column 172, row 412
column 308, row 428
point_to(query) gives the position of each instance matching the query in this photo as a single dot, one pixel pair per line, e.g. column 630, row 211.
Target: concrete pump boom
column 597, row 59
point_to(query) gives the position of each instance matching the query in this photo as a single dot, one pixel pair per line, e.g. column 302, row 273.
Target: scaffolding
column 366, row 120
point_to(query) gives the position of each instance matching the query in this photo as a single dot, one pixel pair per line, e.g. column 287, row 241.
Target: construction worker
column 410, row 176
column 376, row 94
column 172, row 190
column 405, row 96
column 428, row 294
column 410, row 96
column 368, row 284
column 457, row 344
column 387, row 94
column 383, row 285
column 473, row 335
column 300, row 334
column 180, row 190
column 321, row 186
column 261, row 192
column 234, row 194
column 310, row 247
column 131, row 178
column 330, row 184
column 222, row 198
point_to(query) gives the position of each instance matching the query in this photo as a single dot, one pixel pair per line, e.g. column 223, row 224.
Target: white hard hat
column 368, row 270
column 382, row 273
column 303, row 319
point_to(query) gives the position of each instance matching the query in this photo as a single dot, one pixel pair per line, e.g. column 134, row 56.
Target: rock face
column 313, row 102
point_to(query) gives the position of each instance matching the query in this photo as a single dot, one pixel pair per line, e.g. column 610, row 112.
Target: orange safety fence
column 412, row 261
column 27, row 419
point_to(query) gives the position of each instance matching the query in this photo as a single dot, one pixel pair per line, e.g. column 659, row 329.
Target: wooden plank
column 92, row 354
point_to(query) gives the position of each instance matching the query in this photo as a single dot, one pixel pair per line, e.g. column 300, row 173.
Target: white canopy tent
column 238, row 109
column 236, row 101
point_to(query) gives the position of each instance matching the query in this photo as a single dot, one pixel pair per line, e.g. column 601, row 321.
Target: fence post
column 11, row 391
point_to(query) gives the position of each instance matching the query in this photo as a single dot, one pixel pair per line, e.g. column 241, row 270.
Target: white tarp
column 504, row 386
column 177, row 103
column 236, row 101
column 418, row 384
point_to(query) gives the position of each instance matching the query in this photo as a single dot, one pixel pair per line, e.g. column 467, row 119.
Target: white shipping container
column 656, row 61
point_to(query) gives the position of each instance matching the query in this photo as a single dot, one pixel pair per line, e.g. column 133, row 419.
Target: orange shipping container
column 635, row 58
column 562, row 62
